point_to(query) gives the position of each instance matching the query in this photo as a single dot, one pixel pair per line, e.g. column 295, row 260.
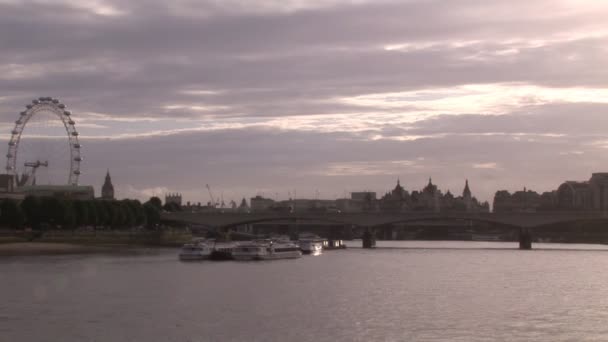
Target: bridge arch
column 571, row 221
column 290, row 218
column 445, row 218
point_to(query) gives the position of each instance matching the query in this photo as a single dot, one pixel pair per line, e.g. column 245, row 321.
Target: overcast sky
column 317, row 97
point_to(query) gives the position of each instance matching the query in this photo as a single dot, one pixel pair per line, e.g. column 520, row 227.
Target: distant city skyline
column 323, row 97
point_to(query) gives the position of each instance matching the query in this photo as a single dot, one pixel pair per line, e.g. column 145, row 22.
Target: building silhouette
column 591, row 195
column 174, row 198
column 107, row 190
column 430, row 198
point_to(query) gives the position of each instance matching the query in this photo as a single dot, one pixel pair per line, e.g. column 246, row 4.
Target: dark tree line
column 53, row 213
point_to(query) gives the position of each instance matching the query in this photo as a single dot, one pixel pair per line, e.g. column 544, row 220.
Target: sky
column 316, row 98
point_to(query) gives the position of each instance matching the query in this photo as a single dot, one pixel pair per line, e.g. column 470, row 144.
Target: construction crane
column 213, row 203
column 28, row 179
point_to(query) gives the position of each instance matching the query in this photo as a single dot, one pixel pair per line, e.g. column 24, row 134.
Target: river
column 427, row 291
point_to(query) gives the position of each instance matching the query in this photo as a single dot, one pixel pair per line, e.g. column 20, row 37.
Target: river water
column 428, row 291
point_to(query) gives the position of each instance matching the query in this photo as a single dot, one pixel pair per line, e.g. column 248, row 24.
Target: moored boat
column 266, row 250
column 311, row 246
column 222, row 251
column 197, row 250
column 333, row 244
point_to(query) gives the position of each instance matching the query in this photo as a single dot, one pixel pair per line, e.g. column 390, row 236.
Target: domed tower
column 107, row 190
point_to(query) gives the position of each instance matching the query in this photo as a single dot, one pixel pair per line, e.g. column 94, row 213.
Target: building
column 430, row 198
column 574, row 196
column 364, row 201
column 598, row 186
column 243, row 207
column 591, row 195
column 303, row 205
column 259, row 203
column 519, row 201
column 107, row 189
column 174, row 198
column 396, row 200
column 363, row 196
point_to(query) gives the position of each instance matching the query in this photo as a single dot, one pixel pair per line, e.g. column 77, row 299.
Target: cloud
column 367, row 168
column 485, row 166
column 325, row 94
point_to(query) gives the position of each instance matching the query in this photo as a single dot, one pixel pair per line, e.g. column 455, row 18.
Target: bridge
column 524, row 223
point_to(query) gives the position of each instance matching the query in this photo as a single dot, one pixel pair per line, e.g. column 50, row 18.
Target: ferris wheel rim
column 60, row 110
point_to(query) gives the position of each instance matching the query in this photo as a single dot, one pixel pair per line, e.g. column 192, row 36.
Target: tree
column 172, row 207
column 12, row 215
column 69, row 217
column 81, row 213
column 156, row 202
column 31, row 208
column 129, row 213
column 53, row 211
column 152, row 215
column 111, row 213
column 93, row 216
column 118, row 214
column 102, row 213
column 137, row 210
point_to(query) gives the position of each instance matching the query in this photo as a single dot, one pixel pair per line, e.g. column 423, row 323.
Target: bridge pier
column 525, row 239
column 368, row 239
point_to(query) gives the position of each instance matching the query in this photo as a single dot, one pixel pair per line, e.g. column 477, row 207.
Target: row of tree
column 53, row 213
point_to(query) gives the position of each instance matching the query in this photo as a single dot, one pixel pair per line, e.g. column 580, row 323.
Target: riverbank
column 50, row 248
column 81, row 242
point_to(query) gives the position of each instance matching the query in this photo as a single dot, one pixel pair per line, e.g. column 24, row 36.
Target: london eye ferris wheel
column 38, row 141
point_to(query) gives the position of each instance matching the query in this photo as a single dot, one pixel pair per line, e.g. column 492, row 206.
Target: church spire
column 430, row 188
column 466, row 192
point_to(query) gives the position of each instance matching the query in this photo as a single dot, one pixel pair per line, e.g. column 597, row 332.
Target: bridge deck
column 518, row 220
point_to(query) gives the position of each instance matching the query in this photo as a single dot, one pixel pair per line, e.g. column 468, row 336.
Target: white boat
column 222, row 250
column 311, row 246
column 266, row 250
column 197, row 250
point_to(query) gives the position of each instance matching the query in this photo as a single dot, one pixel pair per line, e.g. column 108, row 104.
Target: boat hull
column 193, row 257
column 221, row 255
column 274, row 256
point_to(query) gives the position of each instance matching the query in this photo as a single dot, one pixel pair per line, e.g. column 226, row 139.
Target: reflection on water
column 475, row 245
column 430, row 291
